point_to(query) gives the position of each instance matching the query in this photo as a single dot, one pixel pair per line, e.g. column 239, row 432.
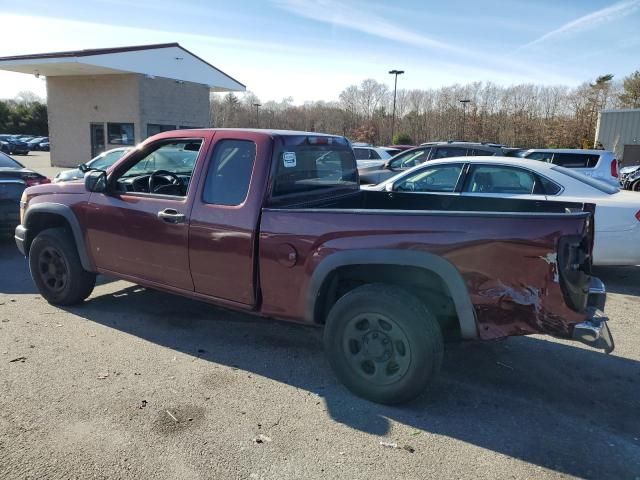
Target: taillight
column 320, row 140
column 638, row 215
column 614, row 168
column 31, row 181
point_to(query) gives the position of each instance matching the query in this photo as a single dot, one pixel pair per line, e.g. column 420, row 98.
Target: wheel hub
column 52, row 269
column 377, row 346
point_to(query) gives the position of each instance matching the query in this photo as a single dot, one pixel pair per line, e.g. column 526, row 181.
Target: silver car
column 600, row 164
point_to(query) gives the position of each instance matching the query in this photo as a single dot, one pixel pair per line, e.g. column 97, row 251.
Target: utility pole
column 464, row 114
column 395, row 90
column 257, row 105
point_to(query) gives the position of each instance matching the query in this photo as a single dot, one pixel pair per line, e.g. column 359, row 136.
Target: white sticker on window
column 289, row 159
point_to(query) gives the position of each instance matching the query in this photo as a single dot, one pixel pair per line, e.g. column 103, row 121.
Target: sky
column 312, row 49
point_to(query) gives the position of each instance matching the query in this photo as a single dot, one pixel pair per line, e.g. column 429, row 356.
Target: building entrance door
column 97, row 139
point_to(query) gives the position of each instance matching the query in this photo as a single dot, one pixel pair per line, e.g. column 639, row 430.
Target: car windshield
column 7, row 162
column 592, row 182
column 105, row 160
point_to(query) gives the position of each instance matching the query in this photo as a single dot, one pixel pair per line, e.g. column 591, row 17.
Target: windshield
column 176, row 157
column 310, row 163
column 592, row 182
column 7, row 162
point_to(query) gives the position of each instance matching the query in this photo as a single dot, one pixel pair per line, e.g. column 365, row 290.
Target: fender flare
column 447, row 272
column 65, row 212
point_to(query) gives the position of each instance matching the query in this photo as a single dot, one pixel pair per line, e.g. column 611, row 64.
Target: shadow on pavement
column 561, row 407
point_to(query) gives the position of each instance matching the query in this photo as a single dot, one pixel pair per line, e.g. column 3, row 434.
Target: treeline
column 524, row 115
column 25, row 114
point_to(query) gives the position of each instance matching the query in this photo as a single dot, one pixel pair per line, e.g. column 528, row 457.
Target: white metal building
column 619, row 131
column 103, row 98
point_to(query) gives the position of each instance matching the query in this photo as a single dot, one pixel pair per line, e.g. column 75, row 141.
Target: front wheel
column 56, row 268
column 636, row 186
column 383, row 343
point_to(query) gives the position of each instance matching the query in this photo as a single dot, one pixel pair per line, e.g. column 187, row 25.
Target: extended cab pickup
column 274, row 223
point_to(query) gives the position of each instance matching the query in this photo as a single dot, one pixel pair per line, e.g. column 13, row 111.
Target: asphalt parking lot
column 135, row 383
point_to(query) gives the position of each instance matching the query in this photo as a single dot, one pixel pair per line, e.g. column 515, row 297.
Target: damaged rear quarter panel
column 515, row 289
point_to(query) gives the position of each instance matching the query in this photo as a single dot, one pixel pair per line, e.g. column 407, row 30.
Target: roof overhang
column 165, row 60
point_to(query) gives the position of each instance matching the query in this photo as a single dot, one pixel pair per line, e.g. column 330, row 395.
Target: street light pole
column 395, row 90
column 257, row 105
column 464, row 114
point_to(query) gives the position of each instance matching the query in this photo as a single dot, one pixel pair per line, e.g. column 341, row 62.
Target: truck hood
column 75, row 187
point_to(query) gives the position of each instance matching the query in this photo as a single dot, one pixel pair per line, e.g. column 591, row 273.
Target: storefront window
column 120, row 133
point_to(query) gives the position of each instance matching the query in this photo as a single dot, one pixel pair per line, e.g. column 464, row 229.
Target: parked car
column 274, row 223
column 629, row 176
column 34, row 143
column 402, row 148
column 600, row 164
column 514, row 152
column 100, row 162
column 14, row 178
column 617, row 218
column 44, row 146
column 376, row 173
column 632, row 181
column 371, row 153
column 14, row 145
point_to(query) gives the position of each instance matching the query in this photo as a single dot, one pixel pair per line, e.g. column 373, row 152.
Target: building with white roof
column 104, row 98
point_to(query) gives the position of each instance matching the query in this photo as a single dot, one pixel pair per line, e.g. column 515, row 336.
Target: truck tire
column 56, row 269
column 383, row 343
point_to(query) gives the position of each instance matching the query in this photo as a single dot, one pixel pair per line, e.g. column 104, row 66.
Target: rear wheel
column 56, row 268
column 636, row 186
column 383, row 343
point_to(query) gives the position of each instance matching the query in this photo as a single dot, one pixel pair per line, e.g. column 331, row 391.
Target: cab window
column 229, row 172
column 170, row 163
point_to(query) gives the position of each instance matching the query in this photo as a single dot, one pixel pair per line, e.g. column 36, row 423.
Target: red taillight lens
column 638, row 215
column 614, row 168
column 31, row 181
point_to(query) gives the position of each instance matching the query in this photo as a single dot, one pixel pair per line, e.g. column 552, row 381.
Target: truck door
column 225, row 217
column 139, row 228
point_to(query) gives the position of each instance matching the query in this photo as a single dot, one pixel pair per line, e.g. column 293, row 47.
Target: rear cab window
column 306, row 164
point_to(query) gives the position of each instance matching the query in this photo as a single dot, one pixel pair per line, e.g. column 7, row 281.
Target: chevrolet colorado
column 274, row 223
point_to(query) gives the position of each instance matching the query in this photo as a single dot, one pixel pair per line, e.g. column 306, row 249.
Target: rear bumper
column 594, row 331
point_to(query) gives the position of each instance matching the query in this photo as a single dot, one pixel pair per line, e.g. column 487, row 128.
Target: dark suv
column 423, row 153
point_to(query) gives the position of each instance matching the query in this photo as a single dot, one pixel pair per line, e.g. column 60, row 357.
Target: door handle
column 171, row 215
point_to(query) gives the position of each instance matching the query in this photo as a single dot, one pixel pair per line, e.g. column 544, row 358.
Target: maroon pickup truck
column 274, row 223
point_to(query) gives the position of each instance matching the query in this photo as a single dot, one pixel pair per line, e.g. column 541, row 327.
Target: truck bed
column 505, row 251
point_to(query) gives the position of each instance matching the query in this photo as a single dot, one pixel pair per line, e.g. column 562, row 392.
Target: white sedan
column 617, row 219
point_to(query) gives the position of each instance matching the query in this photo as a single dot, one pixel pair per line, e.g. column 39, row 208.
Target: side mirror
column 83, row 168
column 96, row 181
